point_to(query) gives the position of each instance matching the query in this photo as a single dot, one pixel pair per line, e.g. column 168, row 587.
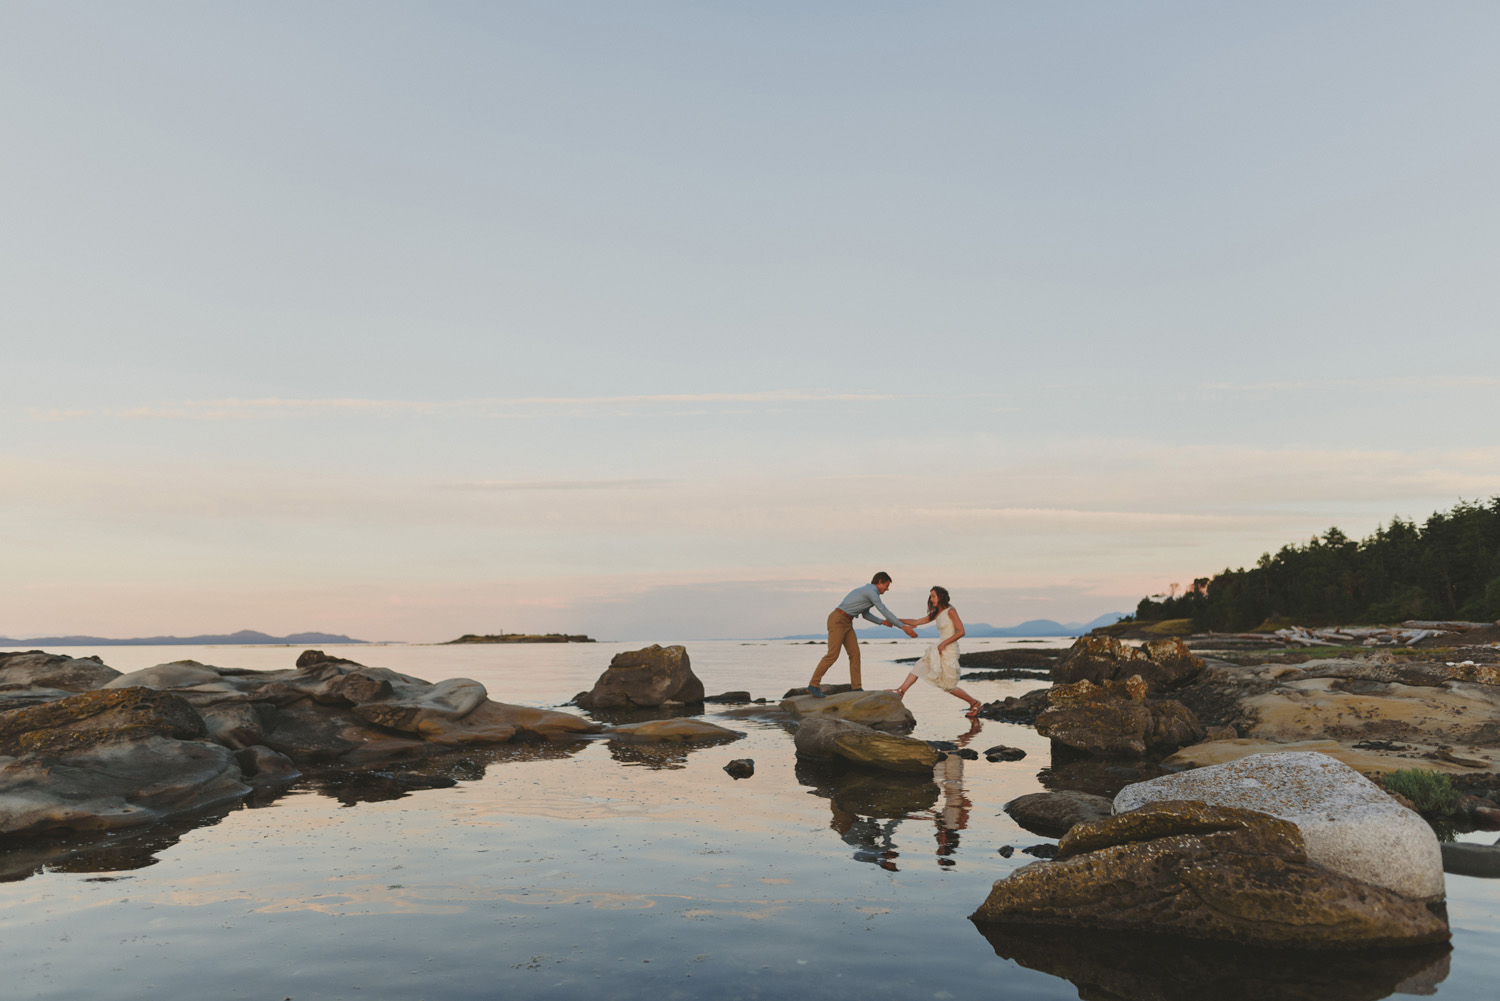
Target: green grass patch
column 1429, row 791
column 1168, row 627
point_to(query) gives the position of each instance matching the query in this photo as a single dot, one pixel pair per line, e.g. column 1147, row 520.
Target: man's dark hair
column 881, row 578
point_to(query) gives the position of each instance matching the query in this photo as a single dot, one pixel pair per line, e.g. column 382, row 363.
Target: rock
column 262, row 766
column 237, row 725
column 1006, row 851
column 740, row 768
column 37, row 669
column 1165, row 818
column 1017, row 708
column 1053, row 814
column 732, row 698
column 824, row 737
column 1138, row 966
column 1041, row 851
column 109, row 784
column 879, row 709
column 1366, row 761
column 672, row 730
column 1231, row 876
column 500, row 722
column 1349, row 825
column 1465, row 859
column 649, row 677
column 1002, row 753
column 178, row 674
column 1161, row 664
column 1114, row 719
column 419, row 709
column 99, row 717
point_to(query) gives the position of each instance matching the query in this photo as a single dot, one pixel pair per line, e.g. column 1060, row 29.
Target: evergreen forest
column 1445, row 568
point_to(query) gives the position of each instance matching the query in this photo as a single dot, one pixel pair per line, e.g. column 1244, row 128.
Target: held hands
column 910, row 631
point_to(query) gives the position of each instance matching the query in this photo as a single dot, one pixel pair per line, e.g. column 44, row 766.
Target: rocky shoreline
column 85, row 749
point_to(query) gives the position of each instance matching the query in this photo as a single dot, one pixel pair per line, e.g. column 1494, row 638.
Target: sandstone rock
column 1162, row 664
column 879, row 709
column 417, row 709
column 262, row 766
column 828, row 738
column 36, row 669
column 178, row 674
column 1350, row 826
column 1267, row 835
column 649, row 677
column 1246, row 881
column 1114, row 719
column 237, row 725
column 501, row 722
column 98, row 717
column 1363, row 759
column 108, row 784
column 1053, row 814
column 673, row 730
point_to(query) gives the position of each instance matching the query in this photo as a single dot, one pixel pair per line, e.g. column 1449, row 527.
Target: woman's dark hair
column 881, row 578
column 933, row 607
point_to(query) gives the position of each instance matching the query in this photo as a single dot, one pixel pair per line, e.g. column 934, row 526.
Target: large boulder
column 824, row 737
column 1161, row 664
column 37, row 669
column 1114, row 719
column 881, row 710
column 1053, row 814
column 1349, row 824
column 106, row 759
column 1207, row 872
column 645, row 678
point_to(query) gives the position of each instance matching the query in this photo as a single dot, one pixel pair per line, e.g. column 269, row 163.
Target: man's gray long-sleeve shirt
column 860, row 600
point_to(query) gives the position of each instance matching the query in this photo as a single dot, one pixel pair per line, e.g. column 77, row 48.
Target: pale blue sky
column 674, row 320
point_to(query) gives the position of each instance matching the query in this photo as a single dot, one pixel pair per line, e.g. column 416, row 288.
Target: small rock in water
column 942, row 745
column 1002, row 753
column 740, row 768
column 1006, row 851
column 1041, row 851
column 969, row 754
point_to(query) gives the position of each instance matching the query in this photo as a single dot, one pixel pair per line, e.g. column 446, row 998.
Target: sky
column 677, row 320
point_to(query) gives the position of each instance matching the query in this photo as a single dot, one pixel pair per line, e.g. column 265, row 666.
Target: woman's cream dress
column 941, row 669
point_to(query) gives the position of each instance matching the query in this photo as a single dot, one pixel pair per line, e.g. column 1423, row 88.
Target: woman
column 939, row 664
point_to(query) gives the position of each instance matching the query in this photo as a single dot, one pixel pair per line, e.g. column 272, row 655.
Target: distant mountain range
column 980, row 630
column 245, row 636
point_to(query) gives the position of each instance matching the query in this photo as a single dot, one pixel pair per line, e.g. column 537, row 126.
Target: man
column 841, row 629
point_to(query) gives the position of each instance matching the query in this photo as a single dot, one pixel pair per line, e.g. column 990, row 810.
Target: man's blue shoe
column 816, row 692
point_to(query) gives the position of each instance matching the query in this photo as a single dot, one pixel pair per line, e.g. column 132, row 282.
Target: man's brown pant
column 840, row 634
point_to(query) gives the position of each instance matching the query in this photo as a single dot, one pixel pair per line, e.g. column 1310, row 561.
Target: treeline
column 1447, row 568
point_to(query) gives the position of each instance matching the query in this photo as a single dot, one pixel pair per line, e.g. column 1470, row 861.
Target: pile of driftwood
column 1407, row 633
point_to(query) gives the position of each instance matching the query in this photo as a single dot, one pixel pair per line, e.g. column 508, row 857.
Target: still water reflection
column 598, row 869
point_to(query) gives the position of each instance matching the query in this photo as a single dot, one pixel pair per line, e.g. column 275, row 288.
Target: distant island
column 244, row 636
column 980, row 630
column 520, row 638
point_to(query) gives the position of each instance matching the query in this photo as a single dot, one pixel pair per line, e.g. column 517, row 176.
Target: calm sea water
column 597, row 870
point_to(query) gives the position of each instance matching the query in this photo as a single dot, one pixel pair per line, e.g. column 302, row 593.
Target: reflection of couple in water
column 939, row 664
column 873, row 840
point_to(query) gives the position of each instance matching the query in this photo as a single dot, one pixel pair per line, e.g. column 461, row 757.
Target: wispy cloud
column 1409, row 384
column 485, row 407
column 508, row 485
